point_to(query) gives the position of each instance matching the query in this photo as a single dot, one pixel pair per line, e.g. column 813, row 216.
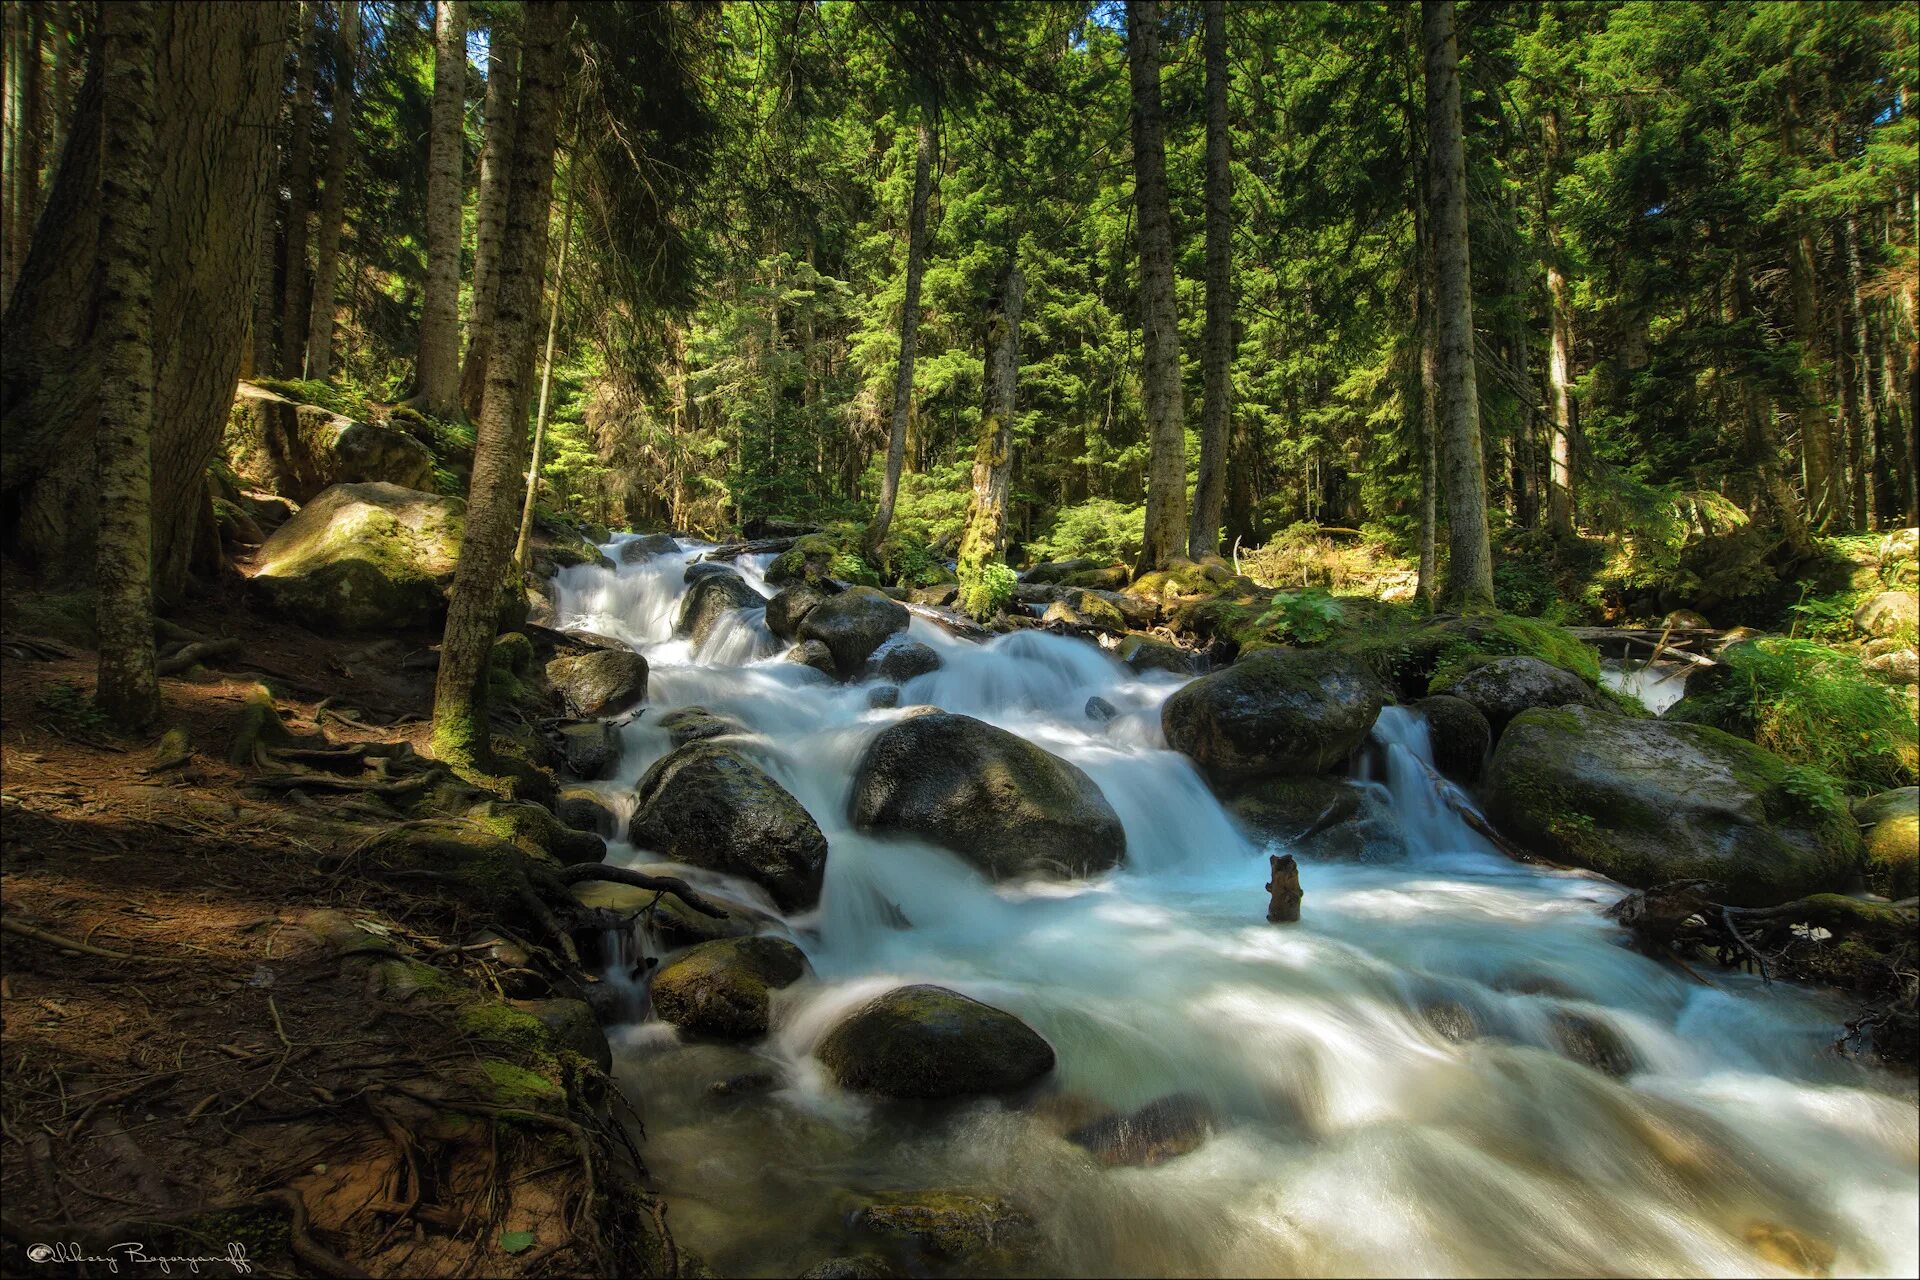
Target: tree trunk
column 909, row 338
column 60, row 104
column 1762, row 442
column 1824, row 495
column 460, row 731
column 32, row 109
column 1427, row 580
column 1166, row 515
column 496, row 175
column 215, row 98
column 128, row 688
column 298, row 290
column 1469, row 557
column 12, row 224
column 1209, row 491
column 985, row 538
column 1867, row 378
column 437, row 366
column 333, row 197
column 546, row 368
column 1560, row 396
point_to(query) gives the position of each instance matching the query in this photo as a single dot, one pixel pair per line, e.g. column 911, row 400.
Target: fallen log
column 757, row 547
column 955, row 623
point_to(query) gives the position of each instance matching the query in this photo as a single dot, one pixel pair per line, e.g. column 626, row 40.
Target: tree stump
column 1284, row 884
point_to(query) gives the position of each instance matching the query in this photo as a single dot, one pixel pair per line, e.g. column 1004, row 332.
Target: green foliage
column 72, row 708
column 1098, row 529
column 1826, row 618
column 986, row 591
column 348, row 401
column 1306, row 617
column 914, row 563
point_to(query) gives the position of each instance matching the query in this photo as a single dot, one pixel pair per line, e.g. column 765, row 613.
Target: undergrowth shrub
column 985, row 591
column 1305, row 617
column 1097, row 529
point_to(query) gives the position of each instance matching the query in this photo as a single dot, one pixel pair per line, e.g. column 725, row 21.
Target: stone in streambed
column 815, row 654
column 709, row 598
column 899, row 659
column 789, row 608
column 670, row 922
column 696, row 724
column 928, row 1042
column 985, row 1232
column 604, row 682
column 1327, row 819
column 852, row 625
column 1280, row 711
column 1459, row 734
column 724, row 989
column 1592, row 1043
column 588, row 749
column 1502, row 688
column 710, row 806
column 647, row 546
column 1154, row 1134
column 584, row 809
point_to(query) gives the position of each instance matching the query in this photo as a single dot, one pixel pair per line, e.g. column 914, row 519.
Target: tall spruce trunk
column 1469, row 582
column 1165, row 528
column 13, row 145
column 1866, row 374
column 1762, row 440
column 216, row 91
column 1825, row 496
column 128, row 689
column 1426, row 584
column 1216, row 359
column 460, row 729
column 436, row 374
column 546, row 363
column 496, row 175
column 298, row 289
column 1560, row 398
column 333, row 196
column 985, row 538
column 909, row 337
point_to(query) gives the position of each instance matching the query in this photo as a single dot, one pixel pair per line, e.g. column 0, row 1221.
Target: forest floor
column 189, row 1062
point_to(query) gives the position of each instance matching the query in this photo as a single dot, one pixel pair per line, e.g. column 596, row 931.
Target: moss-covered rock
column 671, row 923
column 709, row 598
column 1145, row 653
column 603, row 682
column 585, row 809
column 983, row 1232
column 1459, row 734
column 363, row 557
column 929, row 1042
column 1277, row 712
column 809, row 559
column 1889, row 613
column 1050, row 572
column 1501, row 688
column 298, row 450
column 588, row 749
column 1002, row 803
column 646, row 546
column 852, row 625
column 1891, row 842
column 1649, row 802
column 724, row 988
column 696, row 724
column 789, row 608
column 710, row 806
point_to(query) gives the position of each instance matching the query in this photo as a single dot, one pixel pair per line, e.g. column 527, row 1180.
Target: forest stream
column 1451, row 1064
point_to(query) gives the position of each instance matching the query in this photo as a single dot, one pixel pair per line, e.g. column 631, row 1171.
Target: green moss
column 506, row 1027
column 516, row 1086
column 515, row 650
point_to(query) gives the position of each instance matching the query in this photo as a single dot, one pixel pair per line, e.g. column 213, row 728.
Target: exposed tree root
column 581, row 872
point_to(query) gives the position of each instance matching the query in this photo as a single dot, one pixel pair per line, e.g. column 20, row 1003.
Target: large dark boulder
column 852, row 625
column 1648, row 802
column 604, row 682
column 1329, row 819
column 710, row 806
column 1280, row 711
column 363, row 558
column 724, row 988
column 696, row 724
column 710, row 597
column 1459, row 734
column 899, row 659
column 790, row 607
column 929, row 1042
column 299, row 450
column 1502, row 688
column 588, row 749
column 1144, row 653
column 647, row 546
column 997, row 800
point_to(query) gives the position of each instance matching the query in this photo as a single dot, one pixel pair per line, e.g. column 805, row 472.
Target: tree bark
column 298, row 290
column 1762, row 442
column 496, row 176
column 546, row 369
column 1824, row 496
column 1209, row 490
column 985, row 538
column 12, row 224
column 437, row 366
column 1865, row 355
column 1427, row 580
column 1469, row 558
column 1560, row 394
column 215, row 97
column 1166, row 514
column 333, row 197
column 460, row 731
column 909, row 338
column 128, row 688
column 32, row 109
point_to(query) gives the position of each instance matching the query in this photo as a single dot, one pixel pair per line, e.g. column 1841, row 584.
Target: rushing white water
column 1655, row 686
column 1351, row 1135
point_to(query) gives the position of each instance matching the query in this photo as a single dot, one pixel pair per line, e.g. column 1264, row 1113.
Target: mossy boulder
column 709, row 598
column 815, row 654
column 1183, row 581
column 1281, row 711
column 1050, row 572
column 585, row 809
column 997, row 800
column 1892, row 824
column 1328, row 819
column 985, row 1233
column 724, row 988
column 852, row 625
column 789, row 608
column 363, row 558
column 588, row 749
column 696, row 724
column 928, row 1042
column 1144, row 653
column 1889, row 614
column 1459, row 734
column 569, row 1026
column 1648, row 802
column 708, row 805
column 299, row 450
column 671, row 923
column 603, row 682
column 646, row 546
column 899, row 659
column 1501, row 688
column 809, row 559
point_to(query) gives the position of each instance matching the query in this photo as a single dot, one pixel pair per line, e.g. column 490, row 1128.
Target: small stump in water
column 1283, row 882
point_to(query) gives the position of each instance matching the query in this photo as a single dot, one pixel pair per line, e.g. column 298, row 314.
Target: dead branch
column 195, row 653
column 69, row 944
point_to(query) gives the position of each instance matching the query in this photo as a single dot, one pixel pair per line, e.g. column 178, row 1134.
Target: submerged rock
column 709, row 598
column 859, row 1267
column 852, row 625
column 1502, row 688
column 1327, row 819
column 1648, row 802
column 363, row 557
column 708, row 805
column 724, row 988
column 1099, row 710
column 1591, row 1042
column 899, row 659
column 696, row 724
column 604, row 682
column 1153, row 1134
column 997, row 800
column 1276, row 712
column 929, row 1042
column 984, row 1231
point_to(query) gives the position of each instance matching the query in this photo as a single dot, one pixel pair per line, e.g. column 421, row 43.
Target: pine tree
column 1166, row 515
column 333, row 196
column 909, row 336
column 1209, row 490
column 437, row 365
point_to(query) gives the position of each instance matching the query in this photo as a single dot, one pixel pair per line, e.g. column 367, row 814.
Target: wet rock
column 929, row 1042
column 1451, row 1019
column 852, row 625
column 745, row 1084
column 1460, row 735
column 647, row 546
column 860, row 1267
column 883, row 697
column 815, row 654
column 363, row 558
column 1325, row 819
column 583, row 809
column 939, row 595
column 696, row 724
column 1099, row 710
column 1002, row 803
column 708, row 805
column 1154, row 1134
column 1504, row 687
column 1890, row 613
column 708, row 599
column 899, row 660
column 1052, row 571
column 790, row 607
column 1648, row 802
column 724, row 989
column 1144, row 653
column 698, row 569
column 983, row 1231
column 1592, row 1043
column 671, row 923
column 589, row 749
column 572, row 1026
column 1791, row 1250
column 604, row 682
column 1276, row 712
